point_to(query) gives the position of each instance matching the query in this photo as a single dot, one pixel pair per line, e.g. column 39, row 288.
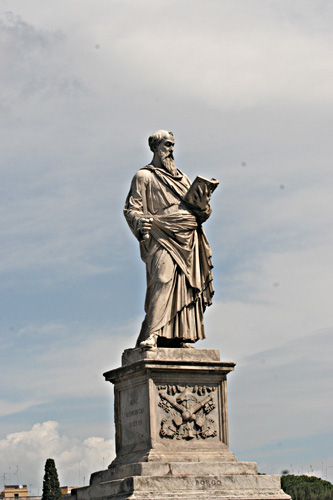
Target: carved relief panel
column 188, row 412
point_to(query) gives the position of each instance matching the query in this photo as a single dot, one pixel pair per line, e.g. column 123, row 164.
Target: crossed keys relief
column 187, row 412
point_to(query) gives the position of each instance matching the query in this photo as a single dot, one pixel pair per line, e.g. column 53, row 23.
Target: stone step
column 174, row 469
column 219, row 486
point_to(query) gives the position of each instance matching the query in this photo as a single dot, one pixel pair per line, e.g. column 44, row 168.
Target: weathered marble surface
column 174, row 469
column 170, row 354
column 183, row 391
column 201, row 487
column 173, row 246
column 171, row 405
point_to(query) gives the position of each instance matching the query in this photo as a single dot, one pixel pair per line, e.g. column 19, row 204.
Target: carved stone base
column 171, row 405
column 171, row 421
column 201, row 481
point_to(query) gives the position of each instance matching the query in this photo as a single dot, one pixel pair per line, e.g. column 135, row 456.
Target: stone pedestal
column 171, row 420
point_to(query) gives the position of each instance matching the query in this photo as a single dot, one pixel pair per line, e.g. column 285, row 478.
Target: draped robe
column 177, row 255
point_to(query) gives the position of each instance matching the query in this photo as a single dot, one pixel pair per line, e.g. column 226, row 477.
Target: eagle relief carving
column 187, row 412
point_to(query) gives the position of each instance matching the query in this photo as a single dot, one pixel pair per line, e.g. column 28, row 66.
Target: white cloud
column 285, row 297
column 230, row 55
column 63, row 361
column 275, row 388
column 9, row 407
column 68, row 110
column 229, row 71
column 75, row 460
column 238, row 81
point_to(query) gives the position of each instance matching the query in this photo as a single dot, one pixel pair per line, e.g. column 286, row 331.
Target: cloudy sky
column 247, row 88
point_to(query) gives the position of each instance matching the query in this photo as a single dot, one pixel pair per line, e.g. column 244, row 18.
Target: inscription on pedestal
column 208, row 483
column 133, row 413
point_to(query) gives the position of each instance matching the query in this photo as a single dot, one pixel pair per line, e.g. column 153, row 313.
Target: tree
column 307, row 487
column 51, row 486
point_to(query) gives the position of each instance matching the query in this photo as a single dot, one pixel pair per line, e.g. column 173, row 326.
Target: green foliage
column 51, row 486
column 307, row 488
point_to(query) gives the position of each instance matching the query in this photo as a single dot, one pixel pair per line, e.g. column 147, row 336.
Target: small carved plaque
column 133, row 415
column 187, row 410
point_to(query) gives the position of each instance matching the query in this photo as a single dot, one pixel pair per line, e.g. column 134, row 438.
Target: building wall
column 15, row 491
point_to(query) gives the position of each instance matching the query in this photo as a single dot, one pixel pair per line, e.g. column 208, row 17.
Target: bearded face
column 169, row 164
column 165, row 153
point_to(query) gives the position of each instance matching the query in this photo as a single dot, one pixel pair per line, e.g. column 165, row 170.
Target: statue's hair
column 156, row 138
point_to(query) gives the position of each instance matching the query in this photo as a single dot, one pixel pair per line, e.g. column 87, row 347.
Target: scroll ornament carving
column 187, row 410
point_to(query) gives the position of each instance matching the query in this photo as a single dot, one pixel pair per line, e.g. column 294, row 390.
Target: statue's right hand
column 145, row 224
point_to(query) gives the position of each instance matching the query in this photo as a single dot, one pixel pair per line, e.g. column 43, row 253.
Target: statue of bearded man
column 174, row 248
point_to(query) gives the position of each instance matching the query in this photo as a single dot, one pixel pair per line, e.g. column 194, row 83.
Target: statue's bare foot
column 186, row 346
column 150, row 342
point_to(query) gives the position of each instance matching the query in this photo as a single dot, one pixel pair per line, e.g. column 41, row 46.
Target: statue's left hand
column 201, row 197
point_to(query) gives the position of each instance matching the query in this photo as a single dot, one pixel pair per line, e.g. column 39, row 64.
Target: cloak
column 177, row 255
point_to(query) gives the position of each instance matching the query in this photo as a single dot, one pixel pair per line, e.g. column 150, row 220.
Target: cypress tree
column 51, row 486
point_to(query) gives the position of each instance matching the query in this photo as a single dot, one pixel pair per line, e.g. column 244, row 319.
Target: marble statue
column 170, row 405
column 173, row 246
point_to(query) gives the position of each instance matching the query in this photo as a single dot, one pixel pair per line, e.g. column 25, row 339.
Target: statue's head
column 162, row 143
column 157, row 137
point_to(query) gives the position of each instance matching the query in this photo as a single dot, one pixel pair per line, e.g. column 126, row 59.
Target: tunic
column 177, row 255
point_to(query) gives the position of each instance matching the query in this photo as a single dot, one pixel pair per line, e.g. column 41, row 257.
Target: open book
column 198, row 188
